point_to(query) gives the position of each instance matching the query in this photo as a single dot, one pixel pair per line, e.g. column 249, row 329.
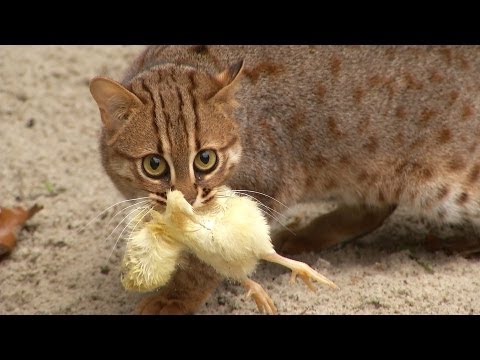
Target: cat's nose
column 188, row 191
column 190, row 200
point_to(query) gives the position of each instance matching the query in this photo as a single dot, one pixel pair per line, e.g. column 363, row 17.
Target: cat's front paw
column 160, row 305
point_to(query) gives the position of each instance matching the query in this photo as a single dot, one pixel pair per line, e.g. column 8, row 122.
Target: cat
column 371, row 128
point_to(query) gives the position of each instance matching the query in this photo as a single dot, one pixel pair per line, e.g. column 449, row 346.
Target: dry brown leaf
column 11, row 220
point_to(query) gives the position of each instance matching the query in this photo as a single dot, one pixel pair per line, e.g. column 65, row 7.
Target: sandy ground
column 49, row 127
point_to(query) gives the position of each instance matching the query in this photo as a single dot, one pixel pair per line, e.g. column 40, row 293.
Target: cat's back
column 386, row 82
column 299, row 66
column 379, row 102
column 401, row 97
column 376, row 124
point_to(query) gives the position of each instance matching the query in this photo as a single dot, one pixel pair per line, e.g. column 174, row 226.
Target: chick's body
column 231, row 235
column 150, row 258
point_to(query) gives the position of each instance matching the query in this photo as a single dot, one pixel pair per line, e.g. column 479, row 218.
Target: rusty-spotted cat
column 370, row 127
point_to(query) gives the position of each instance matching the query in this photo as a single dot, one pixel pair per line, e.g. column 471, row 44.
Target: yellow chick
column 231, row 235
column 150, row 259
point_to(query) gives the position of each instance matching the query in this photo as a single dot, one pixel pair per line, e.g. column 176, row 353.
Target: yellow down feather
column 231, row 235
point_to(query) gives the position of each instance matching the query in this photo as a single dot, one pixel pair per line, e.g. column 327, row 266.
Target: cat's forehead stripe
column 173, row 107
column 161, row 127
column 159, row 105
column 164, row 140
column 153, row 115
column 182, row 119
column 188, row 129
column 191, row 90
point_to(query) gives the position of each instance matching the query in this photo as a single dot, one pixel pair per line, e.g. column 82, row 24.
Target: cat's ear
column 227, row 80
column 114, row 101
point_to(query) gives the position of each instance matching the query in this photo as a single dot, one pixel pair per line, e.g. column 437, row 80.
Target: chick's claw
column 305, row 279
column 260, row 296
column 305, row 272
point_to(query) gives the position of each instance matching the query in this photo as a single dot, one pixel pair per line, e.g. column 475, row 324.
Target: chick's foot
column 305, row 272
column 262, row 299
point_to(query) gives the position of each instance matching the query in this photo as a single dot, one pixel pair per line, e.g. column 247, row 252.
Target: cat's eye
column 154, row 166
column 206, row 160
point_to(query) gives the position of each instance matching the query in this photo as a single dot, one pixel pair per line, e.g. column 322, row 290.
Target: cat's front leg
column 187, row 290
column 342, row 224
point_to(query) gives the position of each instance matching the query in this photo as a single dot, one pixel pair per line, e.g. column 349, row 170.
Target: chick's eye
column 206, row 160
column 154, row 165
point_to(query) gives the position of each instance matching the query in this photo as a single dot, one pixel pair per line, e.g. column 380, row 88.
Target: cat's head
column 170, row 127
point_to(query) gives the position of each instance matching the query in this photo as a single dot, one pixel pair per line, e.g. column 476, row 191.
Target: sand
column 49, row 128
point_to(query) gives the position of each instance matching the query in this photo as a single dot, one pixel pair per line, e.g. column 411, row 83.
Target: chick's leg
column 260, row 296
column 301, row 269
column 187, row 290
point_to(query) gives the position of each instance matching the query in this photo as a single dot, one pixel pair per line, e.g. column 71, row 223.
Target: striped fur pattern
column 173, row 111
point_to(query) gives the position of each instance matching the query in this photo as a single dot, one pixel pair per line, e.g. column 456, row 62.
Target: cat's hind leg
column 342, row 224
column 187, row 290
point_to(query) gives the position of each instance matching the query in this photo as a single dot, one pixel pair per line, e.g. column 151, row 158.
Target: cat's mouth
column 203, row 198
column 159, row 199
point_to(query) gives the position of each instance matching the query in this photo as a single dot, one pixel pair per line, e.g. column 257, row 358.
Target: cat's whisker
column 273, row 211
column 144, row 213
column 121, row 221
column 265, row 211
column 260, row 193
column 277, row 220
column 141, row 219
column 267, row 207
column 139, row 205
column 108, row 208
column 192, row 231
